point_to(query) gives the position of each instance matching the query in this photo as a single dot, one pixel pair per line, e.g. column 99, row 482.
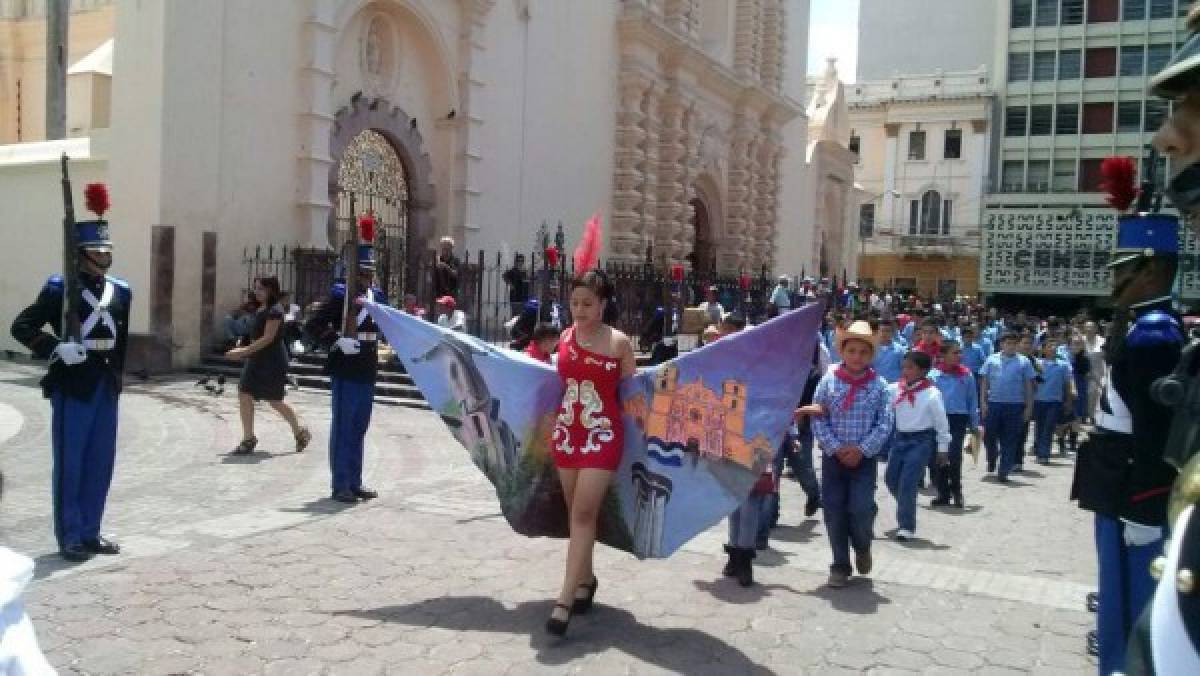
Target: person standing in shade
column 1006, row 405
column 446, row 270
column 264, row 375
column 960, row 395
column 518, row 285
column 1051, row 399
column 82, row 382
column 353, row 367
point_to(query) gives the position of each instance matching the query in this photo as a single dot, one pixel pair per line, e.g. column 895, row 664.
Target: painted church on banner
column 226, row 125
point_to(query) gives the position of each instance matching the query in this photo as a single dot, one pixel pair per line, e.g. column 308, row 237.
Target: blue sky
column 833, row 31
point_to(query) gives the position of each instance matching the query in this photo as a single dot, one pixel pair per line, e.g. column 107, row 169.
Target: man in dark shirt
column 445, row 270
column 518, row 285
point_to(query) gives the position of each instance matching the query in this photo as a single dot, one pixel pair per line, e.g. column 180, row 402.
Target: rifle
column 350, row 269
column 70, row 271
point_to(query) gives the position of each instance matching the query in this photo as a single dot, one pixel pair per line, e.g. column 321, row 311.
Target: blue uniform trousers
column 351, row 416
column 848, row 499
column 906, row 463
column 1003, row 431
column 84, row 439
column 1124, row 586
column 1045, row 415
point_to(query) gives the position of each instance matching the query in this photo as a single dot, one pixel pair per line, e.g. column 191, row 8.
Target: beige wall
column 23, row 60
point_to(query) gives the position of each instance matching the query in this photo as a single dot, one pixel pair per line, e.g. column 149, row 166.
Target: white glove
column 347, row 345
column 70, row 353
column 1137, row 534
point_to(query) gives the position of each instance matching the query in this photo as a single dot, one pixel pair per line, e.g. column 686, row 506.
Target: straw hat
column 858, row 330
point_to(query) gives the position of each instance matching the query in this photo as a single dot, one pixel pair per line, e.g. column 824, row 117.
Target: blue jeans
column 907, row 462
column 1002, row 431
column 949, row 476
column 1045, row 416
column 848, row 500
column 801, row 462
column 743, row 523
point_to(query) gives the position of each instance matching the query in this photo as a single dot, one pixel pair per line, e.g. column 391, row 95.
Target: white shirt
column 925, row 412
column 19, row 652
column 456, row 320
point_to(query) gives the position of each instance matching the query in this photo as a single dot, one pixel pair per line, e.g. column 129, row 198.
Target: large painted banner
column 699, row 429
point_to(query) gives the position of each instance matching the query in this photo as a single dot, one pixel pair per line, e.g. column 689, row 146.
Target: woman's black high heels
column 556, row 626
column 583, row 604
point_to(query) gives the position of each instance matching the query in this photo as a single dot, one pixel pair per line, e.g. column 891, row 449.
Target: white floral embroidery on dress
column 566, row 416
column 599, row 427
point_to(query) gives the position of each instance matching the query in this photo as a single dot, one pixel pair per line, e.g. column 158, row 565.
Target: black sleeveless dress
column 264, row 375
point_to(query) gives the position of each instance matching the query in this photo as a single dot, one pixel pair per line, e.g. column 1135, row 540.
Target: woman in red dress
column 593, row 357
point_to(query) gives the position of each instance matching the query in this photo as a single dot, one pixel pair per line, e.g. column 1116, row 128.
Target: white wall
column 955, row 35
column 794, row 240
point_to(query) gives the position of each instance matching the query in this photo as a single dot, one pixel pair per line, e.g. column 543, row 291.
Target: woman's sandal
column 302, row 439
column 247, row 446
column 583, row 604
column 556, row 626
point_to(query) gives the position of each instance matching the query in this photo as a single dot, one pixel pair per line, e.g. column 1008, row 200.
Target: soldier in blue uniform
column 83, row 382
column 1121, row 475
column 353, row 366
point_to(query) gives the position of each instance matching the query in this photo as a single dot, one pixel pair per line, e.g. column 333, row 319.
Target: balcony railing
column 961, row 243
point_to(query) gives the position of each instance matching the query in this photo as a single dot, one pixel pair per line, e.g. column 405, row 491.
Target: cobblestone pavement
column 241, row 566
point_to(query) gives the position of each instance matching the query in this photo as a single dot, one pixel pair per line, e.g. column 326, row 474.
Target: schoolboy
column 888, row 353
column 1006, row 404
column 960, row 396
column 921, row 428
column 743, row 522
column 1052, row 395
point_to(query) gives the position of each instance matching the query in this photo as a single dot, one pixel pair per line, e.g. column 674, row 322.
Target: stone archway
column 351, row 125
column 704, row 256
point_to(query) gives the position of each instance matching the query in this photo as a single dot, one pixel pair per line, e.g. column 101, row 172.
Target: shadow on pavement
column 321, row 506
column 255, row 458
column 50, row 563
column 859, row 597
column 727, row 589
column 801, row 533
column 1013, row 483
column 605, row 627
column 771, row 558
column 915, row 542
column 954, row 511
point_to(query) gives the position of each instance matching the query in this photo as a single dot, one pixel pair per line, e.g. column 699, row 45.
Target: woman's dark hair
column 271, row 284
column 597, row 281
column 919, row 359
column 948, row 344
column 544, row 331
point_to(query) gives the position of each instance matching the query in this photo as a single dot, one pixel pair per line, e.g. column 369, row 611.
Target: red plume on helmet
column 1119, row 180
column 588, row 251
column 95, row 196
column 366, row 227
column 551, row 256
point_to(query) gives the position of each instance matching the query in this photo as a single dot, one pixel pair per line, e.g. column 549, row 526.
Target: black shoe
column 101, row 545
column 957, row 500
column 1002, row 478
column 365, row 493
column 246, row 447
column 76, row 553
column 1093, row 644
column 583, row 604
column 347, row 497
column 556, row 626
column 760, row 544
column 745, row 571
column 811, row 507
column 939, row 501
column 991, row 467
column 1093, row 602
column 731, row 565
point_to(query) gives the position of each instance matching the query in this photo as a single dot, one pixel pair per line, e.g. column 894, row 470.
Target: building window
column 1069, row 64
column 866, row 221
column 1162, row 9
column 1100, row 62
column 1156, row 114
column 1133, row 10
column 1022, row 13
column 1072, row 12
column 1047, row 13
column 1157, row 57
column 1016, row 121
column 916, row 145
column 952, row 144
column 1133, row 60
column 1043, row 66
column 1012, row 176
column 1018, row 66
column 1066, row 118
column 1102, row 11
column 1129, row 116
column 1064, row 176
column 1089, row 175
column 1038, row 176
column 947, row 209
column 931, row 213
column 1097, row 118
column 914, row 215
column 1041, row 120
column 855, row 142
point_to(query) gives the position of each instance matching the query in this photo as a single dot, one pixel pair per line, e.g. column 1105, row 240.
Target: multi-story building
column 1073, row 77
column 898, row 37
column 922, row 147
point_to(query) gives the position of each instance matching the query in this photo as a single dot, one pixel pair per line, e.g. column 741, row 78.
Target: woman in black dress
column 265, row 373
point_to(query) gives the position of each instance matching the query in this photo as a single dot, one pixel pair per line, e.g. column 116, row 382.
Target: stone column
column 627, row 176
column 683, row 16
column 746, row 39
column 773, row 42
column 764, row 199
column 738, row 211
column 671, row 158
column 978, row 161
column 650, row 148
column 888, row 216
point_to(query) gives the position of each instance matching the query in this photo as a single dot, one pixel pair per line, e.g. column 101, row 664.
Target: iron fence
column 492, row 290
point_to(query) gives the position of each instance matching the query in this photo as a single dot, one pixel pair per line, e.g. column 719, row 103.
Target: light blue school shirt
column 1055, row 373
column 1007, row 377
column 887, row 361
column 960, row 395
column 973, row 356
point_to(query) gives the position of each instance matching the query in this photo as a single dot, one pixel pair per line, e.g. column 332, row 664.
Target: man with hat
column 781, row 297
column 83, row 381
column 1120, row 474
column 353, row 366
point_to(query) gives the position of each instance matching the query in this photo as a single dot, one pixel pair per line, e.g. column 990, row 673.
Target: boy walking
column 921, row 428
column 744, row 521
column 857, row 420
column 1006, row 405
column 1052, row 396
column 960, row 396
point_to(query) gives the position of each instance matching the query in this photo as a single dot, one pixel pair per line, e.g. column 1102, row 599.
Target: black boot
column 1072, row 440
column 731, row 566
column 745, row 568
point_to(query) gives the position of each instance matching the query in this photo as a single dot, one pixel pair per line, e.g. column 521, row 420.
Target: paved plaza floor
column 241, row 565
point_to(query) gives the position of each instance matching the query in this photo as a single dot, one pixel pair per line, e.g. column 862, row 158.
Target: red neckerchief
column 909, row 392
column 959, row 370
column 932, row 348
column 855, row 384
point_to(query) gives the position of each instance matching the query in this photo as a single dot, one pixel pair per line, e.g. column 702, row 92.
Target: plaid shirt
column 867, row 424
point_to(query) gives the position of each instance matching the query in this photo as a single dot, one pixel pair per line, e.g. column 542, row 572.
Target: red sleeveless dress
column 588, row 431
